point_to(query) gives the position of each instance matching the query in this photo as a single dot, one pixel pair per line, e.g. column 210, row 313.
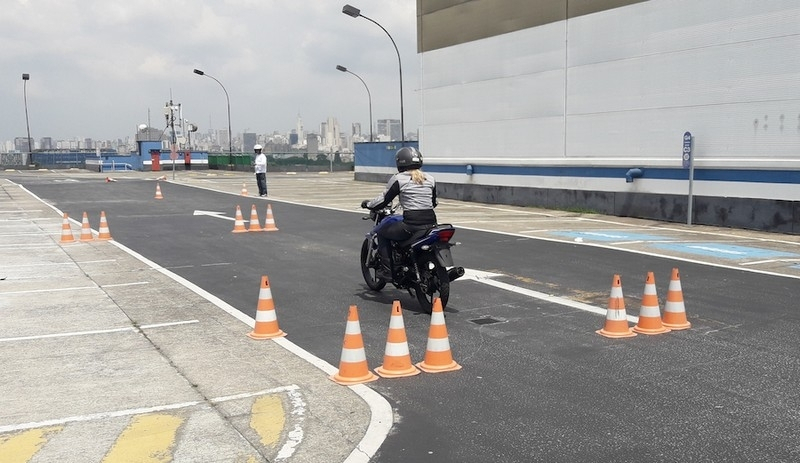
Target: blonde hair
column 417, row 176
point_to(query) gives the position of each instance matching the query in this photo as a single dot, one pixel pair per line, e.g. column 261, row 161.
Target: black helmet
column 408, row 158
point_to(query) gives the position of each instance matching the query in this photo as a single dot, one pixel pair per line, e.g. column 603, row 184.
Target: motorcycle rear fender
column 443, row 256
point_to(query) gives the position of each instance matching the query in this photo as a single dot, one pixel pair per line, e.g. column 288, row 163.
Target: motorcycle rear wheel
column 369, row 268
column 438, row 286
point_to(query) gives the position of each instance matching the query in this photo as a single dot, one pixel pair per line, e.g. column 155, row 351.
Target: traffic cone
column 269, row 222
column 438, row 357
column 86, row 230
column 616, row 320
column 244, row 190
column 109, row 180
column 255, row 225
column 238, row 225
column 650, row 314
column 396, row 358
column 674, row 310
column 104, row 233
column 66, row 231
column 353, row 368
column 163, row 177
column 158, row 191
column 266, row 326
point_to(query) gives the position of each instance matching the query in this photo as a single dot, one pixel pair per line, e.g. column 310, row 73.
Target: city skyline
column 102, row 78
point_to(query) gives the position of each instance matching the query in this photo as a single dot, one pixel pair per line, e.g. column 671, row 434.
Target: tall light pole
column 344, row 69
column 230, row 134
column 355, row 13
column 25, row 78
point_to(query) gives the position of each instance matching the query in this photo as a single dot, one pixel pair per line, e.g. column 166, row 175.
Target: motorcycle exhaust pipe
column 455, row 273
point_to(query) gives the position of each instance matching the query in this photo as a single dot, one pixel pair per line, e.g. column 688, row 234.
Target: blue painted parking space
column 725, row 251
column 610, row 236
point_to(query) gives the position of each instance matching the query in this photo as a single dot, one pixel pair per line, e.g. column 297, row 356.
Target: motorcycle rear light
column 445, row 235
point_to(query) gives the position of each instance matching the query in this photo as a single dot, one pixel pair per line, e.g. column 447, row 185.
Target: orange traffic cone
column 396, row 358
column 104, row 233
column 438, row 357
column 158, row 191
column 66, row 231
column 255, row 225
column 353, row 368
column 238, row 225
column 674, row 310
column 650, row 314
column 244, row 190
column 616, row 320
column 86, row 230
column 109, row 180
column 266, row 326
column 269, row 222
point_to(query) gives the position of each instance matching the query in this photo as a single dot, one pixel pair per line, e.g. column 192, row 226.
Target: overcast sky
column 98, row 66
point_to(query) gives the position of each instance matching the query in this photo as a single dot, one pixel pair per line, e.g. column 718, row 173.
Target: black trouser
column 261, row 180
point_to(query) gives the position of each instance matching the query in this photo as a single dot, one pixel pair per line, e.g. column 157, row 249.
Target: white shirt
column 261, row 163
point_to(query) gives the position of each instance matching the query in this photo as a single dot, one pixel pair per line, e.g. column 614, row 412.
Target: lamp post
column 25, row 78
column 354, row 12
column 344, row 69
column 227, row 98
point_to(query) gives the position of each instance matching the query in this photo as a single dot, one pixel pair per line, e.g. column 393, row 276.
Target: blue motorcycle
column 422, row 265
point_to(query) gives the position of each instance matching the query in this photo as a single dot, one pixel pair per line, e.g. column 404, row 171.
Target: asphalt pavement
column 101, row 346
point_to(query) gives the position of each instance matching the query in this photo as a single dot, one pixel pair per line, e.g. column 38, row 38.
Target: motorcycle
column 422, row 264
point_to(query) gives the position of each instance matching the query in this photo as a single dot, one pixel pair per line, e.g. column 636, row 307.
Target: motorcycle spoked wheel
column 437, row 285
column 368, row 267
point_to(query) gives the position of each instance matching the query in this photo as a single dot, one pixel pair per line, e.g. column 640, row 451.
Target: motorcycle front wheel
column 369, row 259
column 437, row 284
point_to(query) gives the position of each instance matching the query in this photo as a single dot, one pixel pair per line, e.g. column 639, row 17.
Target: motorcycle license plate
column 444, row 257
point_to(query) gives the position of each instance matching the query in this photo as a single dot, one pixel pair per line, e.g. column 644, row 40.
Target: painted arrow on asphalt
column 219, row 215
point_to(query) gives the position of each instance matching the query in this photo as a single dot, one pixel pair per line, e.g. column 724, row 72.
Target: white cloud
column 98, row 67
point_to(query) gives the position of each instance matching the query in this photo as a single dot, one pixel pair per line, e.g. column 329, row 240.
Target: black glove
column 364, row 204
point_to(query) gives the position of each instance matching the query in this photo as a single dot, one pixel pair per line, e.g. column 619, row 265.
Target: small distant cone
column 158, row 191
column 109, row 179
column 396, row 358
column 438, row 357
column 353, row 368
column 255, row 225
column 66, row 231
column 104, row 233
column 86, row 230
column 269, row 223
column 244, row 190
column 674, row 310
column 616, row 320
column 650, row 314
column 163, row 177
column 266, row 326
column 238, row 225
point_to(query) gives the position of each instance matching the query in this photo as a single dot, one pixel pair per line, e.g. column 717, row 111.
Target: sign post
column 688, row 162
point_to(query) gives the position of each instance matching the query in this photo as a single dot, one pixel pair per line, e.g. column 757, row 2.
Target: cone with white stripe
column 244, row 190
column 104, row 232
column 238, row 224
column 396, row 358
column 353, row 368
column 616, row 325
column 255, row 224
column 650, row 314
column 66, row 231
column 674, row 310
column 158, row 191
column 86, row 229
column 438, row 357
column 266, row 326
column 269, row 223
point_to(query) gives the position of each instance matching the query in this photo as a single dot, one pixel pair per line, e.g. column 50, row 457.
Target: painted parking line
column 724, row 251
column 610, row 236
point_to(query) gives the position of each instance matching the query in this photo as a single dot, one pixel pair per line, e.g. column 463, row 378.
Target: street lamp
column 25, row 78
column 230, row 135
column 344, row 69
column 355, row 13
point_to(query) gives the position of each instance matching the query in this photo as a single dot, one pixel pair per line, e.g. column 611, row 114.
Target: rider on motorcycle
column 417, row 192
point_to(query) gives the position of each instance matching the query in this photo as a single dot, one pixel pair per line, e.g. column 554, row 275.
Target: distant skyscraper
column 249, row 141
column 390, row 128
column 299, row 128
column 356, row 129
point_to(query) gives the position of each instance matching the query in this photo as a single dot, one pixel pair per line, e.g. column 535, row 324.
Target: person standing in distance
column 261, row 170
column 417, row 192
